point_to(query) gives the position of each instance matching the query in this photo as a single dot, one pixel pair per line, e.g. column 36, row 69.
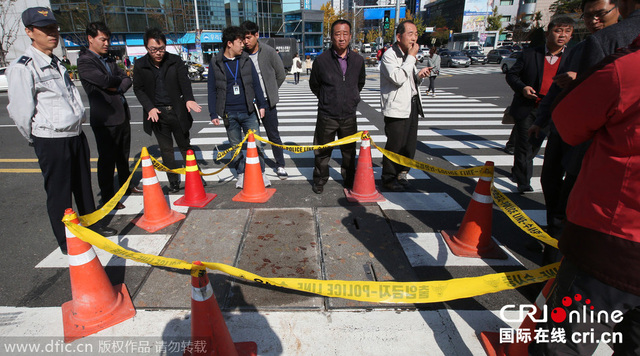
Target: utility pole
column 397, row 19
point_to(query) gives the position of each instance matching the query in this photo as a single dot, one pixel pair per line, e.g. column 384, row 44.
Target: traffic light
column 387, row 19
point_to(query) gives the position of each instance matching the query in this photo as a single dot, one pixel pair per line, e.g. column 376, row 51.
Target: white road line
column 430, row 249
column 151, row 244
column 420, row 202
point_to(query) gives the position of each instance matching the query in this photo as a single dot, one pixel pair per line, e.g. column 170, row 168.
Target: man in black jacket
column 105, row 84
column 161, row 84
column 337, row 78
column 530, row 78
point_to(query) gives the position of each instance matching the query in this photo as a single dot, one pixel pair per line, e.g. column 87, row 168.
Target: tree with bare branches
column 9, row 27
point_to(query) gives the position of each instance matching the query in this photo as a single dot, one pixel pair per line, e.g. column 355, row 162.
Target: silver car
column 4, row 84
column 508, row 62
column 455, row 59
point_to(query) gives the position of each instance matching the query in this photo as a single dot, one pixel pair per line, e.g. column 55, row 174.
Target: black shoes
column 135, row 190
column 393, row 186
column 402, row 179
column 104, row 230
column 509, row 150
column 174, row 187
column 318, row 189
column 522, row 188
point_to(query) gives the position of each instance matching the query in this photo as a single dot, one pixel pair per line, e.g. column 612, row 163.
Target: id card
column 236, row 89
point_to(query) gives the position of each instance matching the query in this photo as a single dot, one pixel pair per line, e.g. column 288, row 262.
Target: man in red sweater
column 530, row 78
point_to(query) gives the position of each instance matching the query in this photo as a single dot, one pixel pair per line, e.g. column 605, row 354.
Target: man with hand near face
column 401, row 102
column 233, row 86
column 48, row 111
column 161, row 84
column 105, row 84
column 337, row 77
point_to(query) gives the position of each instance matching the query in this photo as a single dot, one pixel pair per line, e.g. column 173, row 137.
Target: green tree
column 537, row 19
column 330, row 16
column 493, row 21
column 372, row 35
column 566, row 7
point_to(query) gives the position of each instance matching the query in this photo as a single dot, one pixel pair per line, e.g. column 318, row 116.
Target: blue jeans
column 237, row 125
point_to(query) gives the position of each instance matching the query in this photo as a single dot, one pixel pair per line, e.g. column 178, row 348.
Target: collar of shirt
column 552, row 58
column 41, row 59
column 225, row 59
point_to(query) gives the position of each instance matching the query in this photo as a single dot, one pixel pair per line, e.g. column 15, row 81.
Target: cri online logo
column 558, row 315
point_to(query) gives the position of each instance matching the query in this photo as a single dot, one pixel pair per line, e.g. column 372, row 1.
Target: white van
column 366, row 48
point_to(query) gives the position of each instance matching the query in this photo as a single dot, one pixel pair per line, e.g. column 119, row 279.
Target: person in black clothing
column 337, row 77
column 161, row 84
column 105, row 84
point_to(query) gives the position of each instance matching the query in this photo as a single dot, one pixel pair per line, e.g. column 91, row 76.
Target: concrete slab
column 278, row 243
column 206, row 235
column 356, row 239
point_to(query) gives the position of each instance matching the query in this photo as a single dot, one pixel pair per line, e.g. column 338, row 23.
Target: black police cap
column 38, row 17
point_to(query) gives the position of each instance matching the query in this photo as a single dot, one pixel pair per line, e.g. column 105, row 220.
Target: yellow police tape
column 520, row 218
column 161, row 167
column 300, row 149
column 378, row 292
column 92, row 218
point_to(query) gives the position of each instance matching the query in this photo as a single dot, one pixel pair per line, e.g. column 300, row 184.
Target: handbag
column 507, row 118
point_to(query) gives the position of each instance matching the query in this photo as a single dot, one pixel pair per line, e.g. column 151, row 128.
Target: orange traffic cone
column 157, row 213
column 364, row 186
column 96, row 304
column 194, row 194
column 491, row 340
column 208, row 329
column 253, row 190
column 473, row 239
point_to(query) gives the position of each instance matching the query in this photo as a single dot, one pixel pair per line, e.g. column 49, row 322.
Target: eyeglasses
column 599, row 15
column 156, row 50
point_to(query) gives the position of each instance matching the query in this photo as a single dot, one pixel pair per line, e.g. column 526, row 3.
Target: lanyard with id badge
column 236, row 87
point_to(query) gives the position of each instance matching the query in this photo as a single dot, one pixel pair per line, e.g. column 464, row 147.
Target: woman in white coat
column 433, row 61
column 296, row 68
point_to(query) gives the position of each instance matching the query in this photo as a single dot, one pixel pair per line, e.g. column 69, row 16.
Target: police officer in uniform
column 48, row 111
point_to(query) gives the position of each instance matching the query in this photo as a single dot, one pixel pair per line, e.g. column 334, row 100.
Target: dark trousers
column 166, row 127
column 570, row 281
column 432, row 84
column 65, row 166
column 524, row 150
column 326, row 130
column 114, row 143
column 270, row 122
column 402, row 138
column 552, row 180
column 296, row 77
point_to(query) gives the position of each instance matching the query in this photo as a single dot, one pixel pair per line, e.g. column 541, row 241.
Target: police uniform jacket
column 177, row 85
column 43, row 101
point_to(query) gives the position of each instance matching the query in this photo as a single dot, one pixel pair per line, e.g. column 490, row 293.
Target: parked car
column 4, row 84
column 371, row 60
column 476, row 57
column 420, row 56
column 514, row 48
column 496, row 55
column 454, row 59
column 508, row 62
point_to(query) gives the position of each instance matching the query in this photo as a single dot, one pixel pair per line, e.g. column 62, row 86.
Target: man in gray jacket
column 270, row 70
column 401, row 103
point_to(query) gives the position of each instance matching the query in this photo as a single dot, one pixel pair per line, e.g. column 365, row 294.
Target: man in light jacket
column 270, row 70
column 401, row 103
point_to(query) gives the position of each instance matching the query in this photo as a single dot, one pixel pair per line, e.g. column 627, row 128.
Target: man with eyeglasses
column 606, row 41
column 161, row 84
column 48, row 111
column 561, row 163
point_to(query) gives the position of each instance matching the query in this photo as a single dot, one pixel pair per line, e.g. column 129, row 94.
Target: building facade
column 306, row 26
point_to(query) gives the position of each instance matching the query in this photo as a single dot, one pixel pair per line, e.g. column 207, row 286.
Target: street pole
column 397, row 20
column 197, row 34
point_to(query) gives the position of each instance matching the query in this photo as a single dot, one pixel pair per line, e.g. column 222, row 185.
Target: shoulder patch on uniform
column 24, row 60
